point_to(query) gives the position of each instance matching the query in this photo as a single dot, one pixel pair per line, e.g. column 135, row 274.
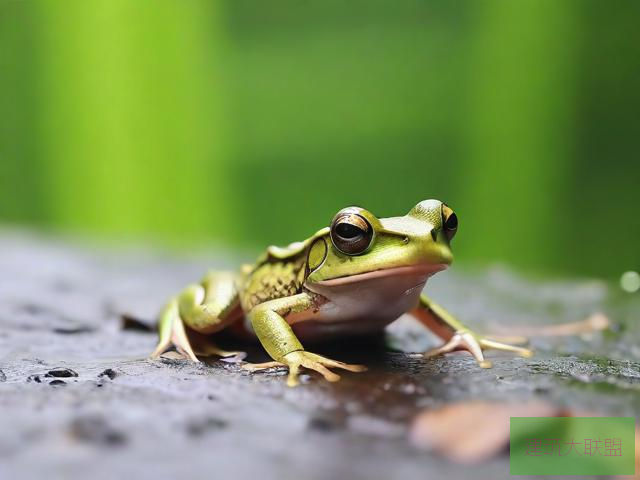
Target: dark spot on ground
column 73, row 330
column 327, row 422
column 34, row 378
column 61, row 373
column 199, row 427
column 109, row 373
column 3, row 377
column 32, row 309
column 57, row 382
column 96, row 430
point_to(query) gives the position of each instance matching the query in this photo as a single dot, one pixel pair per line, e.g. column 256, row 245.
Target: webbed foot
column 475, row 344
column 312, row 361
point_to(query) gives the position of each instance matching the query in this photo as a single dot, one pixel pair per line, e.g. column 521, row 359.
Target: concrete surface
column 79, row 400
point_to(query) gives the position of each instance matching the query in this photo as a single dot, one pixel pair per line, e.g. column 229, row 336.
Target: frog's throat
column 426, row 270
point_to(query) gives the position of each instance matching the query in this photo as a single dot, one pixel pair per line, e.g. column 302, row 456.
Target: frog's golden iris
column 350, row 232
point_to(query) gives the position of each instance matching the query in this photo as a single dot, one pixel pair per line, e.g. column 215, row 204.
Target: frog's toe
column 322, row 370
column 461, row 341
column 173, row 333
column 318, row 363
column 296, row 360
column 257, row 367
column 292, row 378
column 523, row 352
column 465, row 340
column 336, row 364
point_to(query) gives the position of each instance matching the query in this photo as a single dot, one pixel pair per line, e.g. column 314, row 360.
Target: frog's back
column 279, row 272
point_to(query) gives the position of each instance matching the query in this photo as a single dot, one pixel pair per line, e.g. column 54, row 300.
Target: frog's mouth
column 424, row 271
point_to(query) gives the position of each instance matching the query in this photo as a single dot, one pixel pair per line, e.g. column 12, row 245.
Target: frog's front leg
column 205, row 308
column 278, row 339
column 456, row 335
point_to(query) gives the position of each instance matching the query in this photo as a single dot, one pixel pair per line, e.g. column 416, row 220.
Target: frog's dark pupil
column 452, row 222
column 346, row 230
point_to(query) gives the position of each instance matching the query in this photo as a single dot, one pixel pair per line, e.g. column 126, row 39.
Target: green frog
column 353, row 277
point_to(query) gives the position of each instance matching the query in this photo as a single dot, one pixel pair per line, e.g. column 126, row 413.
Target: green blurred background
column 244, row 123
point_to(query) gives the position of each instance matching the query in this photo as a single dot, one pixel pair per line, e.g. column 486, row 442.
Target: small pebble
column 61, row 373
column 109, row 373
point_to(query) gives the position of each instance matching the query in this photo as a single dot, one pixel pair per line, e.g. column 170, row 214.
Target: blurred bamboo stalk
column 520, row 129
column 131, row 120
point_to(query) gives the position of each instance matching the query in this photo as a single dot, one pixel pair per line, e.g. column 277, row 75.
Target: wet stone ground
column 78, row 399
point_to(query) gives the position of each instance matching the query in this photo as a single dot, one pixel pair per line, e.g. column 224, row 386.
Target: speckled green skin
column 316, row 284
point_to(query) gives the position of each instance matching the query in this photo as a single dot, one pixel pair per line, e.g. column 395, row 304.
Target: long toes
column 461, row 341
column 256, row 367
column 524, row 352
column 473, row 347
column 352, row 367
column 188, row 354
column 345, row 366
column 160, row 349
column 324, row 371
column 327, row 362
column 453, row 343
column 434, row 352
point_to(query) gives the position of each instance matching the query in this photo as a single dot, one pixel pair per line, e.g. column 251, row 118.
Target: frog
column 353, row 277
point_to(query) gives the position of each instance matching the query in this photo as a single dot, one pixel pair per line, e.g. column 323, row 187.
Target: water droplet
column 630, row 281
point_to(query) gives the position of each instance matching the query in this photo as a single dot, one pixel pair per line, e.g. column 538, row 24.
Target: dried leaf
column 471, row 432
column 637, row 475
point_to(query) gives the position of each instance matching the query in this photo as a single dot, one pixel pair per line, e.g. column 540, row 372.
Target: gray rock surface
column 78, row 399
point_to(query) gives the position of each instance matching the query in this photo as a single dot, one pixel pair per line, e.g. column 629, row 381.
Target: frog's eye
column 351, row 233
column 449, row 222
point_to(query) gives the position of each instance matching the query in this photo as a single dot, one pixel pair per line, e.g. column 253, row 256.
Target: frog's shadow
column 370, row 350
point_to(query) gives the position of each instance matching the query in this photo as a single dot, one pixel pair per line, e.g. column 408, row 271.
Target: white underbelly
column 360, row 309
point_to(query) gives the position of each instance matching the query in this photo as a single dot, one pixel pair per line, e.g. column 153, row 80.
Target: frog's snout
column 442, row 254
column 437, row 248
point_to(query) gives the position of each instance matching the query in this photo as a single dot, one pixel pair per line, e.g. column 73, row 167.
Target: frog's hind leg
column 204, row 308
